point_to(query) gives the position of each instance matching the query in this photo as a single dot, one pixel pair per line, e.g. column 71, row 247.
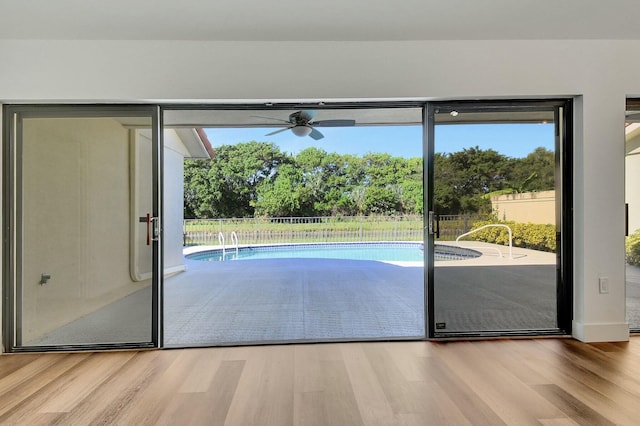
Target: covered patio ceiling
column 204, row 117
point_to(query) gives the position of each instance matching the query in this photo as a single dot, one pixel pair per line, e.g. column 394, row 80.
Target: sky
column 512, row 140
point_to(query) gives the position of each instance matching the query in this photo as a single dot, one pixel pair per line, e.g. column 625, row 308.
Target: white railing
column 491, row 248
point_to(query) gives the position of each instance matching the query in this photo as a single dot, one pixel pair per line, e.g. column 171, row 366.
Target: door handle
column 148, row 229
column 430, row 222
column 155, row 228
column 152, row 227
column 147, row 219
column 434, row 224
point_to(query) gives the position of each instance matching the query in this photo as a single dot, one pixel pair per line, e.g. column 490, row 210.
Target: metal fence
column 451, row 226
column 319, row 229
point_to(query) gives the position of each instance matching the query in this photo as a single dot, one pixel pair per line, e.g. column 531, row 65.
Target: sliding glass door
column 81, row 227
column 478, row 245
column 632, row 199
column 497, row 233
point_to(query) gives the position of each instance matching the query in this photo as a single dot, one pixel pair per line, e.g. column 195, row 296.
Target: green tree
column 401, row 177
column 463, row 178
column 381, row 201
column 280, row 197
column 412, row 182
column 445, row 198
column 197, row 196
column 535, row 172
column 480, row 171
column 412, row 197
column 227, row 184
column 256, row 178
column 311, row 162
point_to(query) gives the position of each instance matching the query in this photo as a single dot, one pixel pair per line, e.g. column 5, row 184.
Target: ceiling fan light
column 301, row 130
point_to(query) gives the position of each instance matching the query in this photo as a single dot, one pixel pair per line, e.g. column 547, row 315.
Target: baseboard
column 607, row 332
column 174, row 270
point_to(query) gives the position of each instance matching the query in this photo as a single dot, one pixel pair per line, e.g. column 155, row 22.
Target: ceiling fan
column 301, row 124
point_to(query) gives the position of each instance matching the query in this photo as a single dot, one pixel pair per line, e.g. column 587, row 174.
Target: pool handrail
column 221, row 242
column 234, row 241
column 492, row 248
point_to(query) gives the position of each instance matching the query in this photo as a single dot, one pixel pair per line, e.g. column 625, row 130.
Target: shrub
column 526, row 235
column 632, row 246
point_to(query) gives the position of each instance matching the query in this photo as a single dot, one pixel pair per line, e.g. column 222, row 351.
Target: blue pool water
column 389, row 252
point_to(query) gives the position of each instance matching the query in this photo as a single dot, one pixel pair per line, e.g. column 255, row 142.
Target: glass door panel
column 83, row 229
column 496, row 198
column 632, row 199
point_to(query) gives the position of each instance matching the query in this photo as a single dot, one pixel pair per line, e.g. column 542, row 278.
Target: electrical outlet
column 603, row 285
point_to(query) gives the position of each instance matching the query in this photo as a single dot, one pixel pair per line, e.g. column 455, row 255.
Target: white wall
column 526, row 207
column 141, row 200
column 600, row 73
column 174, row 155
column 1, row 248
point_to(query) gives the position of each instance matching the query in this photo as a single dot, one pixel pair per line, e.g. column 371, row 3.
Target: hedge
column 632, row 246
column 526, row 235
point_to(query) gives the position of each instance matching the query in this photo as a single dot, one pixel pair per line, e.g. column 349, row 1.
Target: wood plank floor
column 519, row 382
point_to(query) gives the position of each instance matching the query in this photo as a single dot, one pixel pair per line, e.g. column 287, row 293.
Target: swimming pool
column 384, row 252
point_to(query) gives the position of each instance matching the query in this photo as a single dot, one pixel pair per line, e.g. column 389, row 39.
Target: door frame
column 563, row 134
column 12, row 216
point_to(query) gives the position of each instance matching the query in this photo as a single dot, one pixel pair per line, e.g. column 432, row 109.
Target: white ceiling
column 320, row 20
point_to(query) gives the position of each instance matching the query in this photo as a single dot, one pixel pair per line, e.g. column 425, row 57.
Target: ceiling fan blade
column 271, row 118
column 278, row 131
column 316, row 134
column 334, row 123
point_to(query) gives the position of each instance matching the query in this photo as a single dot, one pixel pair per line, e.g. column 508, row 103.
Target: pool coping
column 489, row 257
column 187, row 251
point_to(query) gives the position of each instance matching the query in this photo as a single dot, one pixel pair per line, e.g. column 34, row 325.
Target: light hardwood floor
column 519, row 382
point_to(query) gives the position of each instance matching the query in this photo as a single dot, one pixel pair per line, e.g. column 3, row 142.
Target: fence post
column 326, row 229
column 395, row 228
